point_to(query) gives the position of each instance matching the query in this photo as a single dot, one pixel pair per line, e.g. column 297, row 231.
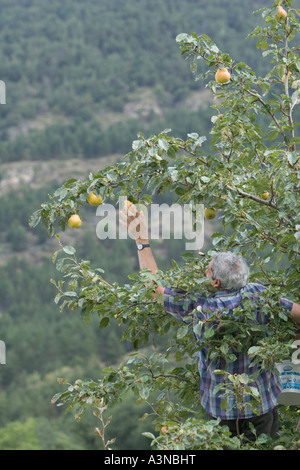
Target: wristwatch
column 140, row 247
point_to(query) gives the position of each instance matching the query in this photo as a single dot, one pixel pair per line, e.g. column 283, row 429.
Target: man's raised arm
column 138, row 228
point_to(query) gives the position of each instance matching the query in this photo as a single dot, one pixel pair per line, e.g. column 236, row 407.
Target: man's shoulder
column 253, row 287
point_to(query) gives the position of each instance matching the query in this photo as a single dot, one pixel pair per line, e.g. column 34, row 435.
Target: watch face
column 140, row 247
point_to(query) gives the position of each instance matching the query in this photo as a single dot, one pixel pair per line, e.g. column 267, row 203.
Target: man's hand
column 137, row 227
column 135, row 221
column 296, row 312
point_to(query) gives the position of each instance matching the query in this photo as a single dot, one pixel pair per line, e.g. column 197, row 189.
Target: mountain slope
column 67, row 65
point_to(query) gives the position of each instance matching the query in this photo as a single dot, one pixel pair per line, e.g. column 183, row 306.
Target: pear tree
column 247, row 170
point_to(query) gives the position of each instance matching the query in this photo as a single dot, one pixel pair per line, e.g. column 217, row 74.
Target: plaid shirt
column 267, row 381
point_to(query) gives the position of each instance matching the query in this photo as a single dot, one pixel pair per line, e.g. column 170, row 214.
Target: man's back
column 206, row 310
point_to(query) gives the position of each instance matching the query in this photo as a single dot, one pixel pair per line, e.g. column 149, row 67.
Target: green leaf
column 35, row 219
column 70, row 181
column 144, row 392
column 70, row 250
column 224, row 348
column 292, row 157
column 182, row 331
column 104, row 322
column 209, row 332
column 56, row 397
column 224, row 404
column 149, row 434
column 57, row 298
column 254, row 391
column 198, row 328
column 61, row 193
column 60, row 263
column 163, row 144
column 205, row 179
column 253, row 350
column 262, row 44
column 70, row 294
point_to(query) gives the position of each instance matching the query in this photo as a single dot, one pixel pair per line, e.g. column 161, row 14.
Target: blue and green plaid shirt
column 267, row 382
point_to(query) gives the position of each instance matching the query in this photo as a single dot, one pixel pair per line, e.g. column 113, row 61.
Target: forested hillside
column 71, row 69
column 82, row 78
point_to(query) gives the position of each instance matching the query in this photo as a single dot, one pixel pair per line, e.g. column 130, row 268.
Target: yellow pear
column 128, row 208
column 264, row 195
column 281, row 14
column 284, row 76
column 127, row 204
column 74, row 221
column 94, row 200
column 210, row 214
column 222, row 76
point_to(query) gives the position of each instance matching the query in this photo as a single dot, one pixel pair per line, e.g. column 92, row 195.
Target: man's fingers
column 130, row 208
column 128, row 217
column 136, row 224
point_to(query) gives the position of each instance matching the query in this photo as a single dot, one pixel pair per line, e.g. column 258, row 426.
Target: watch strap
column 141, row 246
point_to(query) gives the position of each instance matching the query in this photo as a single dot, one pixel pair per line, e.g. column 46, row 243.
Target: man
column 229, row 273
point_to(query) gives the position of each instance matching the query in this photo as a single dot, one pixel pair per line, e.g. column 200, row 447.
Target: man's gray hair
column 231, row 269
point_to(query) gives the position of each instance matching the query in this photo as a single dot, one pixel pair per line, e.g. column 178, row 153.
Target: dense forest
column 74, row 70
column 67, row 65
